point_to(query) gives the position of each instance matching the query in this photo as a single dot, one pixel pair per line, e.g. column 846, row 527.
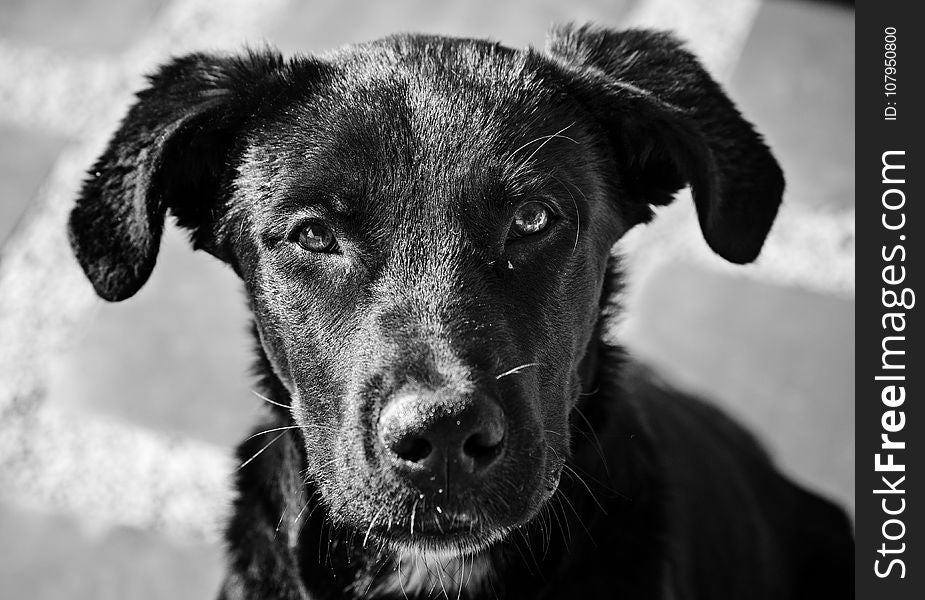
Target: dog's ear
column 670, row 124
column 169, row 152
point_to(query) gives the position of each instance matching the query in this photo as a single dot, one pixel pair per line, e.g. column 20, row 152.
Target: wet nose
column 430, row 437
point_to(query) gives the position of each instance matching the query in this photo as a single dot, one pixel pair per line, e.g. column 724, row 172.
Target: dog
column 423, row 227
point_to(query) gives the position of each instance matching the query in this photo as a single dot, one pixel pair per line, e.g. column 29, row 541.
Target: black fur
column 416, row 152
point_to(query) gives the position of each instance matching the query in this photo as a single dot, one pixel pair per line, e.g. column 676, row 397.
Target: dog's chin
column 444, row 546
column 442, row 533
column 420, row 526
column 448, row 536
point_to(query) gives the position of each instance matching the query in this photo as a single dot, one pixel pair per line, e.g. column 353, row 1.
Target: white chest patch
column 433, row 576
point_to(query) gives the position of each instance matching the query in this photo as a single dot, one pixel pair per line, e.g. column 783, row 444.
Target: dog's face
column 423, row 228
column 416, row 245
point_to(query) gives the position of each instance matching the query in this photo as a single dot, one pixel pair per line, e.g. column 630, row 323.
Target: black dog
column 423, row 226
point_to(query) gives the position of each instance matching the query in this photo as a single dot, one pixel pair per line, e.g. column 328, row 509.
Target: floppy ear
column 169, row 152
column 669, row 124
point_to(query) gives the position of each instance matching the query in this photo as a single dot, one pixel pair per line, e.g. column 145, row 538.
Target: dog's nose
column 431, row 436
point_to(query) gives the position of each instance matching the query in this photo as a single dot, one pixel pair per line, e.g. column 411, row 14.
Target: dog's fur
column 416, row 151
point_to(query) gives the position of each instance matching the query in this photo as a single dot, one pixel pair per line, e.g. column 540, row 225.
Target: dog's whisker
column 441, row 570
column 597, row 441
column 434, row 580
column 548, row 515
column 543, row 526
column 565, row 525
column 463, row 579
column 523, row 556
column 575, row 204
column 259, row 452
column 584, row 475
column 581, row 480
column 382, row 561
column 320, row 537
column 553, row 450
column 549, row 510
column 282, row 516
column 560, row 505
column 372, row 524
column 258, row 434
column 523, row 166
column 546, row 139
column 517, row 369
column 591, row 393
column 302, row 511
column 578, row 517
column 413, row 514
column 295, row 522
column 401, row 579
column 265, row 399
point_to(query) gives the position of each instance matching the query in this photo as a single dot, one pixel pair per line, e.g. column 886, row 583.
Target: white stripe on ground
column 805, row 249
column 113, row 473
column 43, row 90
column 70, row 95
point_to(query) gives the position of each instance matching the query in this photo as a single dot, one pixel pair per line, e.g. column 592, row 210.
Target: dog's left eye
column 530, row 218
column 314, row 237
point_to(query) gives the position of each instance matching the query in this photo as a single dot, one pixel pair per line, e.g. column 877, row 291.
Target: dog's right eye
column 314, row 236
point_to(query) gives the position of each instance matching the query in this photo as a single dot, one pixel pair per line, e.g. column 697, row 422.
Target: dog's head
column 423, row 227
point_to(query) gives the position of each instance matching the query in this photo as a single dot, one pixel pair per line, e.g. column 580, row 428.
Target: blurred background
column 117, row 421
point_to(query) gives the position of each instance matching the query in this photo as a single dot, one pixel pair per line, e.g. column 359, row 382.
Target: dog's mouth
column 445, row 535
column 424, row 525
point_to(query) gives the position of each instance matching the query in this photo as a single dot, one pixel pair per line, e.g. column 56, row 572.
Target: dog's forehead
column 426, row 113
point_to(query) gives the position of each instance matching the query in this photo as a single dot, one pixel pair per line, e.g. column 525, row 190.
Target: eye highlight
column 314, row 236
column 530, row 218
